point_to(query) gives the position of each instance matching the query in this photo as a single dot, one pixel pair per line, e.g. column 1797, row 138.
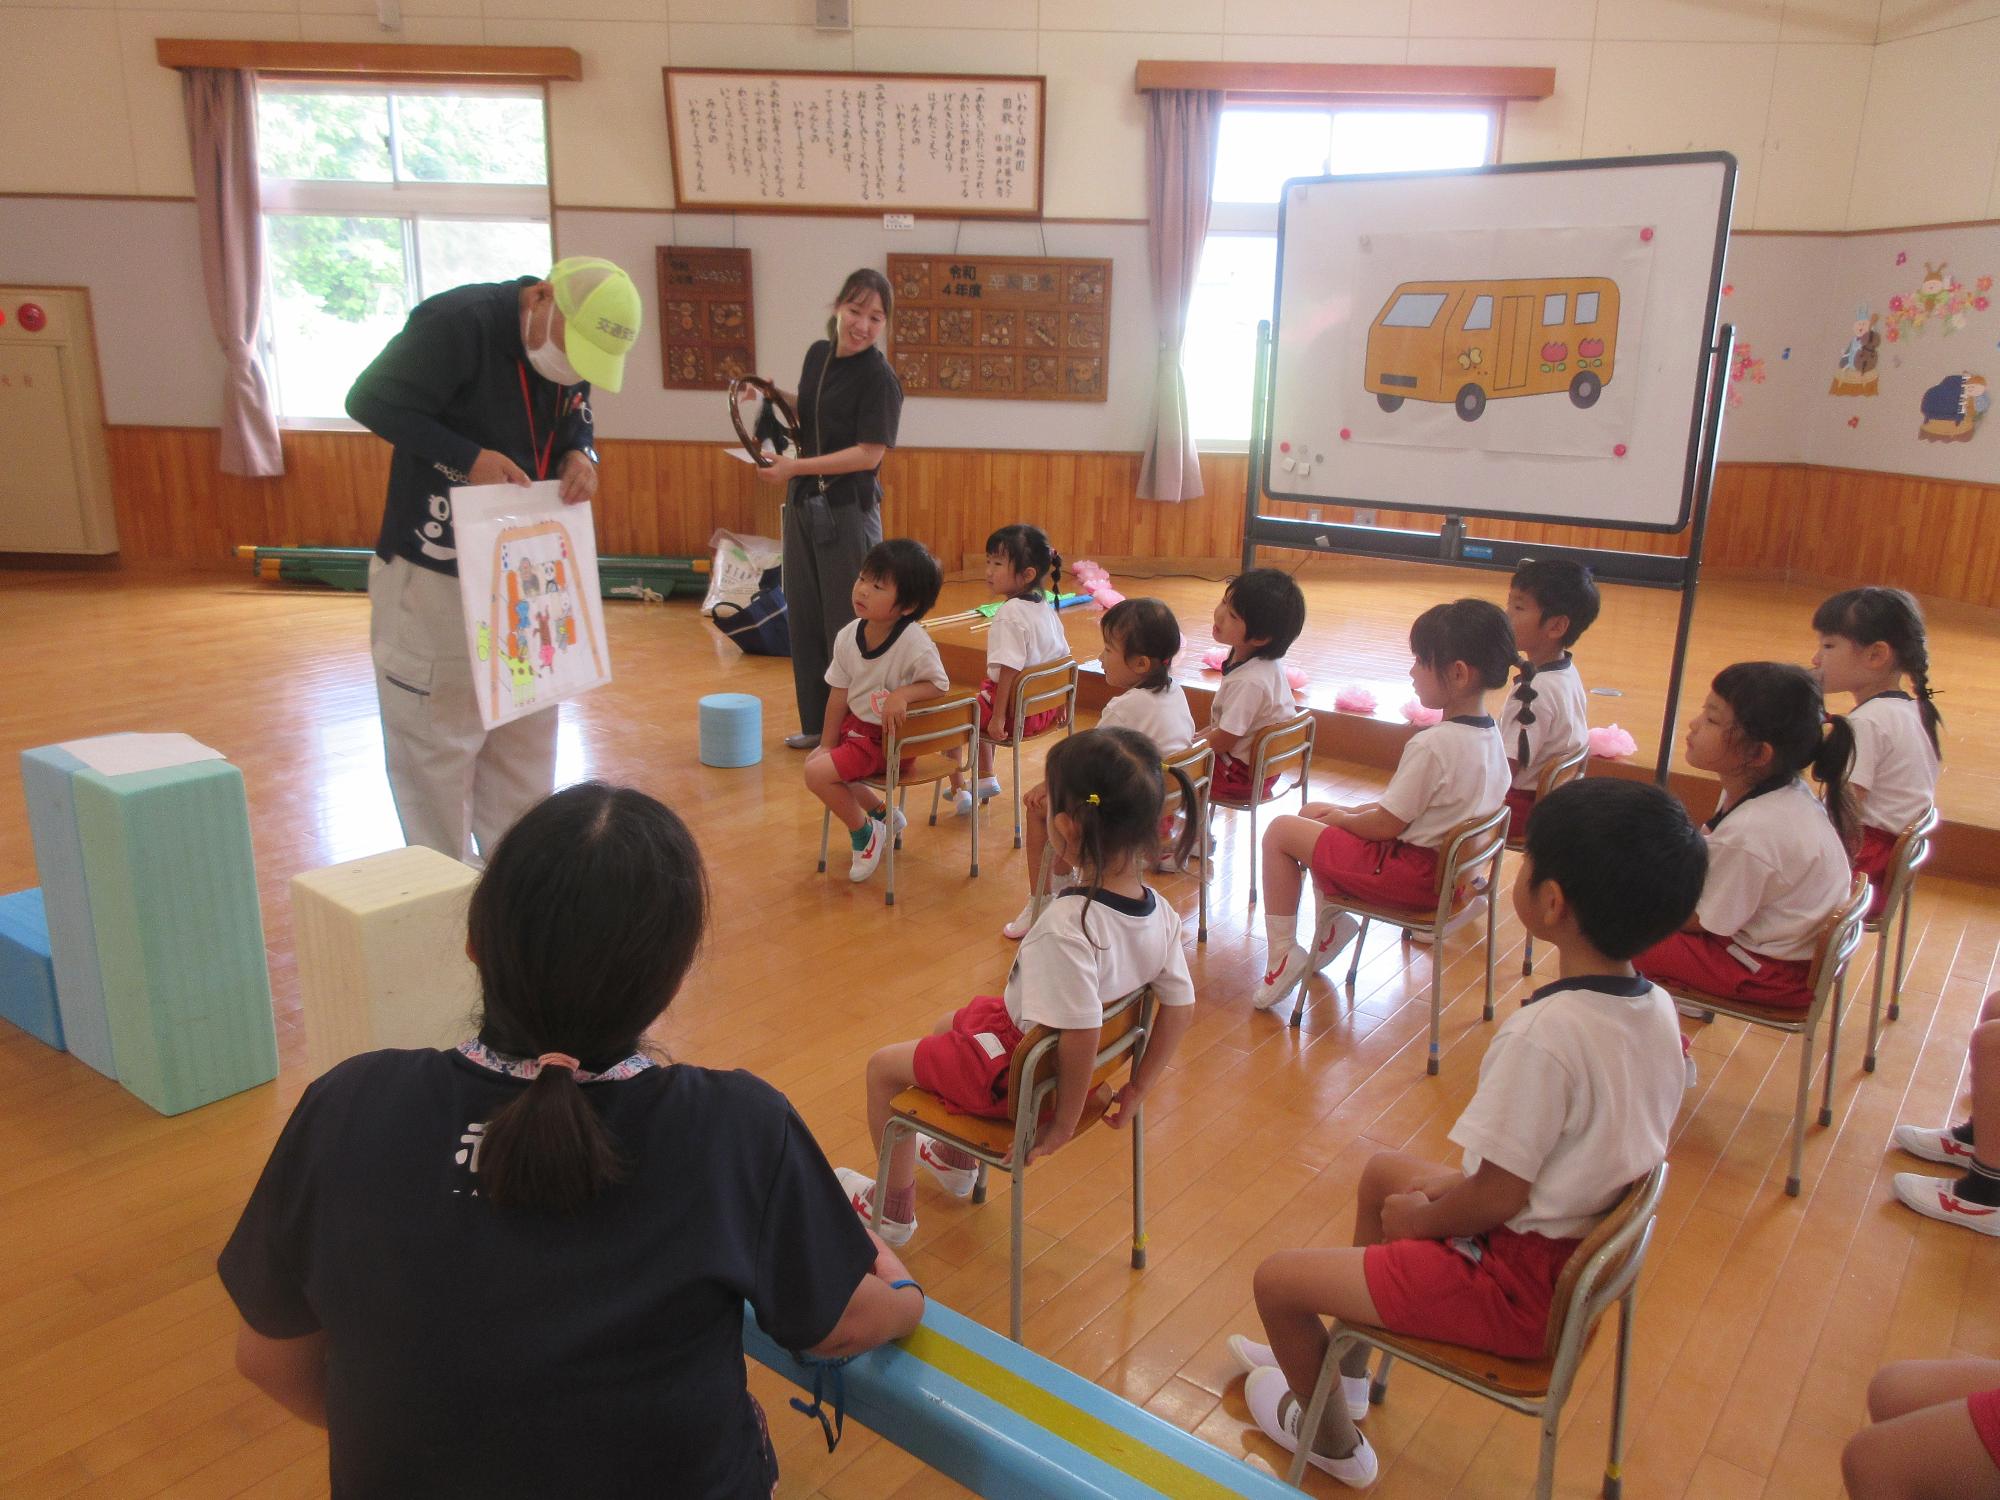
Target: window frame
column 405, row 200
column 1252, row 220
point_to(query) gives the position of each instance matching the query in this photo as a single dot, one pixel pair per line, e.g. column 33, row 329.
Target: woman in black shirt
column 519, row 1268
column 849, row 402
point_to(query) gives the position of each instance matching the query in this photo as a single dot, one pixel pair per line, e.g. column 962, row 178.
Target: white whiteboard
column 763, row 141
column 1524, row 341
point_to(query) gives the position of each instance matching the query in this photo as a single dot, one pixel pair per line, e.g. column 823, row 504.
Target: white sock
column 1280, row 934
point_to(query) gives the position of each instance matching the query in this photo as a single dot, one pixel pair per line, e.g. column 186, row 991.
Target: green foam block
column 180, row 939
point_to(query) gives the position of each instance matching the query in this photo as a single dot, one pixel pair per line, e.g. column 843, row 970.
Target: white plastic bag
column 740, row 564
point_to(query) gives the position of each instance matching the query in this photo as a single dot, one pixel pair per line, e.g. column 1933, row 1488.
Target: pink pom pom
column 1106, row 596
column 1420, row 716
column 1354, row 699
column 1612, row 743
column 1296, row 676
column 1215, row 658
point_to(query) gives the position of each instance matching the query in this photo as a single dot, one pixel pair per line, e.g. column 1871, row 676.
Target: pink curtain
column 222, row 138
column 1182, row 127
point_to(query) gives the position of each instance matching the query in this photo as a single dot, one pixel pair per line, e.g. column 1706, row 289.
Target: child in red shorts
column 1025, row 572
column 1934, row 1433
column 882, row 664
column 1096, row 942
column 1385, row 852
column 1261, row 613
column 1546, row 718
column 1576, row 1096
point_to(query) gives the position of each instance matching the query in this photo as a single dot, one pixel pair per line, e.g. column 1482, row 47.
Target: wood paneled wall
column 1939, row 538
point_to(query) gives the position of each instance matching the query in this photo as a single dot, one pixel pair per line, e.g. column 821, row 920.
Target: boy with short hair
column 883, row 664
column 1260, row 614
column 1576, row 1095
column 1550, row 603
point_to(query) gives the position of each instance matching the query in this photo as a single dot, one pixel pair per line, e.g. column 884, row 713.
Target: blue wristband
column 897, row 1286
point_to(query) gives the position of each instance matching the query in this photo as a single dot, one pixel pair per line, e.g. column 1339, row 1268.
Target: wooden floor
column 1761, row 1316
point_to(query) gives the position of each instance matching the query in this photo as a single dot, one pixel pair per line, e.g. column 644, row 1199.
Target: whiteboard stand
column 1452, row 546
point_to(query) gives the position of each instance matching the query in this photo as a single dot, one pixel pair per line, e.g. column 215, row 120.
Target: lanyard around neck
column 540, row 450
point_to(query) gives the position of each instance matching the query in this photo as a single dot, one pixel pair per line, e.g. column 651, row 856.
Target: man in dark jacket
column 486, row 384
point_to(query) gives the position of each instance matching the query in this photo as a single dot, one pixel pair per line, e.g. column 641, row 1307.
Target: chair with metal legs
column 936, row 734
column 1604, row 1269
column 1272, row 751
column 1912, row 852
column 1031, row 1090
column 1045, row 687
column 1556, row 773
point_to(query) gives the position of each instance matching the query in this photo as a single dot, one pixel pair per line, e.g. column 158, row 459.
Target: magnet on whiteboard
column 1287, row 465
column 1305, row 469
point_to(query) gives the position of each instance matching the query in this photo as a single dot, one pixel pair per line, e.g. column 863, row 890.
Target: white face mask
column 550, row 362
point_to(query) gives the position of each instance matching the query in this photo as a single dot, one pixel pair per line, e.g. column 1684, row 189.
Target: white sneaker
column 1279, row 982
column 1692, row 1076
column 958, row 1181
column 869, row 855
column 1937, row 1198
column 1694, row 1012
column 1017, row 929
column 989, row 788
column 1471, row 911
column 1252, row 1356
column 861, row 1194
column 1939, row 1145
column 1333, row 930
column 897, row 822
column 1277, row 1412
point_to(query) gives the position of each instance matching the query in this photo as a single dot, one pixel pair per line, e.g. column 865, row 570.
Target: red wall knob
column 32, row 317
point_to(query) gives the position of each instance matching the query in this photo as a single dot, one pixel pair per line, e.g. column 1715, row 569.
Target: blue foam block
column 48, row 776
column 180, row 937
column 27, row 976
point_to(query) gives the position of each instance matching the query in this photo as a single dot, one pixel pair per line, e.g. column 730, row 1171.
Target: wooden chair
column 1474, row 842
column 932, row 732
column 1604, row 1269
column 1912, row 852
column 1556, row 773
column 1272, row 750
column 1031, row 1088
column 1038, row 689
column 1838, row 938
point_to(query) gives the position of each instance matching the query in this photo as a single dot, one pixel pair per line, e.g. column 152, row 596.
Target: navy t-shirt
column 477, row 1351
column 853, row 399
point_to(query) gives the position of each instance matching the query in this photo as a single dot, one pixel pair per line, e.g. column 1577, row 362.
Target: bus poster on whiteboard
column 964, row 146
column 1527, row 341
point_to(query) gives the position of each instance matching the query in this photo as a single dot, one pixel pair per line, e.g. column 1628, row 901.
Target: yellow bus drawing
column 1468, row 342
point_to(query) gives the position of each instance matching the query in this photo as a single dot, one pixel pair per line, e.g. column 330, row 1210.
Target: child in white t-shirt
column 1025, row 571
column 1576, row 1096
column 1098, row 941
column 1777, row 856
column 1869, row 640
column 1385, row 852
column 882, row 664
column 1546, row 718
column 1141, row 640
column 1260, row 614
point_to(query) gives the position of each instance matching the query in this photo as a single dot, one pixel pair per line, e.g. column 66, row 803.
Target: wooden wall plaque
column 1005, row 327
column 708, row 329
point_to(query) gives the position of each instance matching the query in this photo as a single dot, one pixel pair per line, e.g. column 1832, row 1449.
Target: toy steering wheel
column 788, row 420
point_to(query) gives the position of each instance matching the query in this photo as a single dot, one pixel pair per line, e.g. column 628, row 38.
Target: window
column 1481, row 316
column 1259, row 147
column 1586, row 307
column 1414, row 310
column 1553, row 307
column 376, row 198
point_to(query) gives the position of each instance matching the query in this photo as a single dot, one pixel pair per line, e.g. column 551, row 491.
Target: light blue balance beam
column 48, row 776
column 180, row 938
column 1011, row 1425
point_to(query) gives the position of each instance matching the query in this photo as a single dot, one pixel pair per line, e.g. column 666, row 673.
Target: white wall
column 1844, row 113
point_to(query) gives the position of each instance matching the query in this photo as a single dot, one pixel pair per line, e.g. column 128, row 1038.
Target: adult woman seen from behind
column 849, row 403
column 518, row 1268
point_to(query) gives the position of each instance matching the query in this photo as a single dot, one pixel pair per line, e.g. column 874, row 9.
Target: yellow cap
column 600, row 309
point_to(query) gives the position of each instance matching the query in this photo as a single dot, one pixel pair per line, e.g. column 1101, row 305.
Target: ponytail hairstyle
column 859, row 283
column 1144, row 627
column 582, row 928
column 1027, row 550
column 1110, row 781
column 1865, row 616
column 1778, row 704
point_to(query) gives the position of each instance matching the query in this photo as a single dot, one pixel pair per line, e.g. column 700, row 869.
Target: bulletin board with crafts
column 1002, row 327
column 708, row 328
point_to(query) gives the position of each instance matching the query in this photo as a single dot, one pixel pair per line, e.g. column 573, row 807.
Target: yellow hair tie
column 1092, row 799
